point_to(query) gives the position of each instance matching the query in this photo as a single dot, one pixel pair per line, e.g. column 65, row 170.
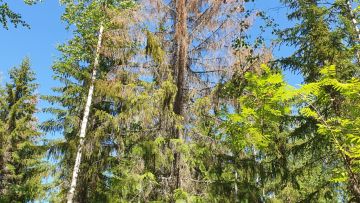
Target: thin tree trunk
column 180, row 68
column 353, row 19
column 357, row 29
column 236, row 187
column 84, row 122
column 354, row 184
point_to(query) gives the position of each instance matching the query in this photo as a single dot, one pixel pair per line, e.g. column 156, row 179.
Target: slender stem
column 357, row 29
column 85, row 119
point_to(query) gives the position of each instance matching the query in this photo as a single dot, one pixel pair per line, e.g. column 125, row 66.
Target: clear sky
column 47, row 31
column 38, row 43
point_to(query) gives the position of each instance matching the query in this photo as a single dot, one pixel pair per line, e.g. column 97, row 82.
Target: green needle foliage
column 22, row 148
column 320, row 37
column 186, row 109
column 116, row 94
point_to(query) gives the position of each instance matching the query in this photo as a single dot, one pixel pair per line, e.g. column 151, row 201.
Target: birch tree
column 353, row 18
column 77, row 114
column 85, row 118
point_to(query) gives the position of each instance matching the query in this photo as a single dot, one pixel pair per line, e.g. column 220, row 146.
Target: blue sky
column 47, row 31
column 38, row 43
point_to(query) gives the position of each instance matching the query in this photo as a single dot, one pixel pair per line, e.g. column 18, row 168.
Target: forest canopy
column 186, row 101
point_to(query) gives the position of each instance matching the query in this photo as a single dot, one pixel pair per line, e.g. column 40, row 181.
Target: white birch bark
column 356, row 27
column 236, row 186
column 84, row 122
column 354, row 21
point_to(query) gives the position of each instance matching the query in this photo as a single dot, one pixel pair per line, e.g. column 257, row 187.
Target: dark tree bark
column 181, row 47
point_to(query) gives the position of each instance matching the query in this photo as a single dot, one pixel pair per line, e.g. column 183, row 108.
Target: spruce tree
column 75, row 69
column 340, row 129
column 317, row 39
column 323, row 37
column 168, row 101
column 193, row 41
column 22, row 147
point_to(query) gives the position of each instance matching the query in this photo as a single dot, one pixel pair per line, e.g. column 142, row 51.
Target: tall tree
column 340, row 128
column 79, row 110
column 22, row 147
column 85, row 118
column 324, row 36
column 196, row 37
column 180, row 64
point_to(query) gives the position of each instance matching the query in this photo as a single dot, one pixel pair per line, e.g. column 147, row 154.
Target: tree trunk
column 84, row 122
column 355, row 24
column 180, row 64
column 236, row 199
column 353, row 181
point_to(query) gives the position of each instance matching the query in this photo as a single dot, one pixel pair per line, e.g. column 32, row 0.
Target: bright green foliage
column 247, row 136
column 324, row 35
column 256, row 135
column 22, row 149
column 342, row 129
column 261, row 110
column 265, row 150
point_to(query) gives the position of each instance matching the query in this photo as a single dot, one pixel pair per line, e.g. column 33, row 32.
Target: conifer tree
column 83, row 59
column 168, row 101
column 195, row 38
column 340, row 128
column 22, row 147
column 323, row 37
column 317, row 41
